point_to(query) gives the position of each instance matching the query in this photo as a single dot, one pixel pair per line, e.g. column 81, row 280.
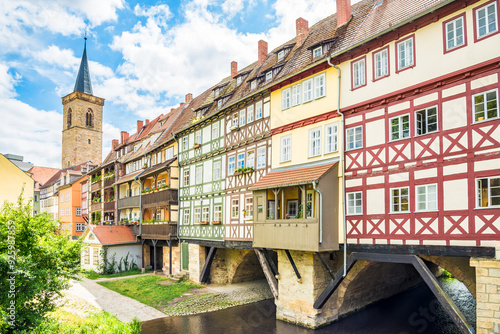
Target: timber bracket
column 299, row 278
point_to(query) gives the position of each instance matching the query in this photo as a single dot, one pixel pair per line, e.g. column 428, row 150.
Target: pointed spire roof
column 83, row 83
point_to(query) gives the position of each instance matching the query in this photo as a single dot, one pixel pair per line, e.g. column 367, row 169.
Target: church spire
column 83, row 79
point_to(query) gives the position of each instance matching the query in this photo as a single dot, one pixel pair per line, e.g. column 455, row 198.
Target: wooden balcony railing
column 162, row 231
column 95, row 186
column 128, row 202
column 109, row 182
column 109, row 206
column 159, row 198
column 95, row 207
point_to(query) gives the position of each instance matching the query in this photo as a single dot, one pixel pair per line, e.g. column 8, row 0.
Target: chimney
column 262, row 51
column 139, row 126
column 234, row 69
column 302, row 27
column 189, row 97
column 114, row 143
column 172, row 109
column 343, row 11
column 124, row 136
column 147, row 121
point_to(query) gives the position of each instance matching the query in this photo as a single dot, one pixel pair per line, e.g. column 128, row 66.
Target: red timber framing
column 451, row 155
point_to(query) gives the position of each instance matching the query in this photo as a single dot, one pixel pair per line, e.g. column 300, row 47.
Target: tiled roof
column 41, row 175
column 129, row 177
column 158, row 167
column 292, row 177
column 56, row 176
column 113, row 234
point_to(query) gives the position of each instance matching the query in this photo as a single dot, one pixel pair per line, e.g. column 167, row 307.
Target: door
column 185, row 256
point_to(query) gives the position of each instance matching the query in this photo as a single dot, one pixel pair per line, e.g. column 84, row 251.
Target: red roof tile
column 292, row 177
column 41, row 175
column 113, row 234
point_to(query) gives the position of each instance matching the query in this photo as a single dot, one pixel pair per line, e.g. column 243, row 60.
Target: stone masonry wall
column 235, row 266
column 196, row 261
column 147, row 256
column 175, row 260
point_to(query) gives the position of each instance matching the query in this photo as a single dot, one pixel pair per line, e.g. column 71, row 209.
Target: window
column 354, row 138
column 234, row 123
column 235, row 208
column 488, row 192
column 285, row 99
column 215, row 130
column 205, row 217
column 185, row 143
column 238, row 81
column 158, row 157
column 269, row 75
column 381, row 64
column 199, row 174
column 249, row 207
column 78, row 212
column 186, row 216
column 80, row 227
column 314, row 142
column 291, row 208
column 253, row 84
column 354, row 203
column 286, row 153
column 258, row 110
column 169, row 153
column 319, row 86
column 317, row 52
column 310, row 204
column 281, row 55
column 251, row 159
column 307, row 94
column 67, row 211
column 230, row 166
column 241, row 160
column 296, row 95
column 89, row 118
column 358, row 73
column 197, row 215
column 242, row 117
column 400, row 127
column 331, row 138
column 261, row 157
column 217, row 168
column 454, row 33
column 426, row 120
column 197, row 137
column 69, row 117
column 154, row 160
column 67, row 197
column 426, row 197
column 219, row 104
column 217, row 92
column 250, row 114
column 399, row 200
column 186, row 177
column 485, row 105
column 486, row 20
column 36, row 198
column 218, row 213
column 405, row 57
column 62, row 212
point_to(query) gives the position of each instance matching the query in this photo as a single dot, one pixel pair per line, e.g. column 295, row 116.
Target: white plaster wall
column 375, row 201
column 455, row 194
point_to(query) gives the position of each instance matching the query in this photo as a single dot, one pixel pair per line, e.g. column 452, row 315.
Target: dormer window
column 238, row 81
column 269, row 75
column 198, row 114
column 281, row 55
column 219, row 104
column 217, row 92
column 253, row 84
column 317, row 51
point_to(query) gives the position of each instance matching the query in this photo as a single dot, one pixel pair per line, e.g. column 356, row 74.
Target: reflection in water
column 414, row 311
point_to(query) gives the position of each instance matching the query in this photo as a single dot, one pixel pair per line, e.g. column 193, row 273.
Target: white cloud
column 109, row 133
column 159, row 14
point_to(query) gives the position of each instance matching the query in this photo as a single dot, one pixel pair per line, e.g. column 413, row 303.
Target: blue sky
column 144, row 57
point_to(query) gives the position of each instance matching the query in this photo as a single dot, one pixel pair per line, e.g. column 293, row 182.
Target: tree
column 36, row 263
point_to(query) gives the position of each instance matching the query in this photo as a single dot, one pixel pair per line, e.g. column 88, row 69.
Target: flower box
column 203, row 223
column 216, row 223
column 195, row 146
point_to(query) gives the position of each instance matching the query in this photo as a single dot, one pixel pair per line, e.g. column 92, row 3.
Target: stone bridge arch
column 235, row 266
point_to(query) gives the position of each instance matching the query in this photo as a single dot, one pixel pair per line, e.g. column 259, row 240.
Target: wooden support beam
column 266, row 268
column 169, row 257
column 142, row 248
column 299, row 278
column 431, row 281
column 318, row 255
column 154, row 241
column 270, row 261
column 205, row 273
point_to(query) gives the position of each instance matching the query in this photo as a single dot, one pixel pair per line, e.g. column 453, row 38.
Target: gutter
column 343, row 164
column 320, row 211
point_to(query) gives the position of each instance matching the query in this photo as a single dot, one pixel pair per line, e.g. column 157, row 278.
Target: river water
column 414, row 311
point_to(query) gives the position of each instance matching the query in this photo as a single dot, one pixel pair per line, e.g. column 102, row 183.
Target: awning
column 292, row 177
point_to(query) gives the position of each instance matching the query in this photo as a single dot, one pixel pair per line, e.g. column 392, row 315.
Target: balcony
column 95, row 207
column 128, row 202
column 296, row 234
column 109, row 206
column 161, row 231
column 95, row 186
column 109, row 182
column 159, row 198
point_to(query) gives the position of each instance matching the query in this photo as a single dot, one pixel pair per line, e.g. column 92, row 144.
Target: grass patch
column 91, row 274
column 63, row 322
column 147, row 290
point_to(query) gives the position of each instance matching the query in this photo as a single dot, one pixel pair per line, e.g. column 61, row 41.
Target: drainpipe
column 343, row 165
column 320, row 212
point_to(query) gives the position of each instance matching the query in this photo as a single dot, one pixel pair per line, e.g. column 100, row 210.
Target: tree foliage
column 36, row 260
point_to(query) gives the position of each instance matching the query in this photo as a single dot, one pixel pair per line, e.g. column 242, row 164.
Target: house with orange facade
column 70, row 203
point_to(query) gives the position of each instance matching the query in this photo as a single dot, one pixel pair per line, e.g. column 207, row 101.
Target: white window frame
column 289, row 203
column 231, row 165
column 381, row 63
column 401, row 132
column 242, row 117
column 235, row 208
column 249, row 207
column 238, row 81
column 314, row 142
column 218, row 213
column 484, row 105
column 185, row 143
column 215, row 130
column 78, row 211
column 234, row 121
column 487, row 19
column 428, row 202
column 317, row 51
column 219, row 104
column 251, row 159
column 205, row 214
column 479, row 194
column 307, row 90
column 186, row 177
column 197, row 215
column 199, row 174
column 424, row 129
column 400, row 197
column 358, row 73
column 286, row 148
column 240, row 162
column 352, row 140
column 452, row 34
column 281, row 55
column 285, row 99
column 169, row 153
column 217, row 170
column 261, row 157
column 197, row 137
column 332, row 138
column 406, row 56
column 258, row 110
column 249, row 114
column 355, row 203
column 320, row 86
column 186, row 216
column 296, row 94
column 269, row 75
column 253, row 84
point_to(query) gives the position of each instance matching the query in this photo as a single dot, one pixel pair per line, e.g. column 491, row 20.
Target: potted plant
column 203, row 223
column 145, row 166
column 216, row 222
column 196, row 145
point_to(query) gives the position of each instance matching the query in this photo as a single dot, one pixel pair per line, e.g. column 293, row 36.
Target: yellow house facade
column 13, row 182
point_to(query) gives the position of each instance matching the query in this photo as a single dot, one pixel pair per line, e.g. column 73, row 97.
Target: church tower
column 82, row 120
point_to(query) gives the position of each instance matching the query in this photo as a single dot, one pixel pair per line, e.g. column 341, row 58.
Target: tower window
column 89, row 141
column 89, row 121
column 69, row 117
